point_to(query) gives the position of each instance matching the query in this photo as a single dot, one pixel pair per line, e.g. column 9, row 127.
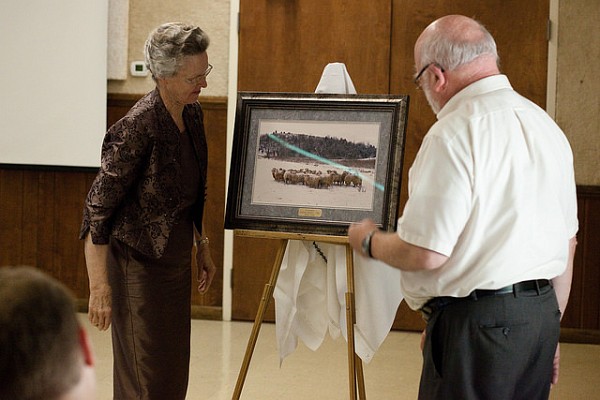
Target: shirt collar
column 477, row 88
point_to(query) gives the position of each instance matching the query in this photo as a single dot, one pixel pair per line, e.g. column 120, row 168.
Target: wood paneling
column 284, row 45
column 40, row 214
column 583, row 310
column 215, row 120
column 41, row 210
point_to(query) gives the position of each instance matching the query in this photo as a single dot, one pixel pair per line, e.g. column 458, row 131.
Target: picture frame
column 314, row 163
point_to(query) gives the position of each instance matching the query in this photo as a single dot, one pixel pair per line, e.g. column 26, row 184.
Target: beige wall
column 211, row 15
column 577, row 86
column 577, row 104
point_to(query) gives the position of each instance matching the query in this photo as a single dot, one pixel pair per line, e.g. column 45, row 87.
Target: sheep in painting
column 292, row 177
column 353, row 180
column 312, row 181
column 336, row 178
column 278, row 174
column 326, row 181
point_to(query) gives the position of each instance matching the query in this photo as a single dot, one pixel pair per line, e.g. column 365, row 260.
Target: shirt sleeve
column 570, row 200
column 440, row 196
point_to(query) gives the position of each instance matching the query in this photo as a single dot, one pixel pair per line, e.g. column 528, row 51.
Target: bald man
column 487, row 237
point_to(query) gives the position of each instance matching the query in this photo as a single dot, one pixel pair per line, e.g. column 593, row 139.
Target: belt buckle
column 426, row 312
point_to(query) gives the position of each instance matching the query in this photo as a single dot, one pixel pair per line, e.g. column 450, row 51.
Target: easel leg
column 264, row 302
column 355, row 369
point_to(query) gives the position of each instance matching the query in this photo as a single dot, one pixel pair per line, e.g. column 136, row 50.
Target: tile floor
column 218, row 349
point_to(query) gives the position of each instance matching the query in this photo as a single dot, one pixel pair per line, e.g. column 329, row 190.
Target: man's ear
column 86, row 347
column 441, row 81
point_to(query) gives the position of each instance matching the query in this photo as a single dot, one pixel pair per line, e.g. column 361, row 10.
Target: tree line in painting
column 287, row 144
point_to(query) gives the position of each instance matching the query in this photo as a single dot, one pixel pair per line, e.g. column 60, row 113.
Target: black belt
column 533, row 287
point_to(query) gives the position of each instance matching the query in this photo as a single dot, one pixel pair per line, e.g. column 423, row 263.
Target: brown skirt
column 150, row 325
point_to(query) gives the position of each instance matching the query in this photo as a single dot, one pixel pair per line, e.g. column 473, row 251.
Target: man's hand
column 358, row 231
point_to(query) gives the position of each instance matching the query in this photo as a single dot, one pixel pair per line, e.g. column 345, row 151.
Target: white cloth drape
column 310, row 292
column 335, row 79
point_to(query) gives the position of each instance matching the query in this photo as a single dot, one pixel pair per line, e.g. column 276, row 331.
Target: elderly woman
column 143, row 218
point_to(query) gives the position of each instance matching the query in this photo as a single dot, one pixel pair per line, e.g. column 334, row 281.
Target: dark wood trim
column 588, row 191
column 129, row 99
column 207, row 312
column 47, row 168
column 122, row 99
column 588, row 336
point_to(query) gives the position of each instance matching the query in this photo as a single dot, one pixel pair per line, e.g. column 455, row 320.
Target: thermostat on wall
column 138, row 68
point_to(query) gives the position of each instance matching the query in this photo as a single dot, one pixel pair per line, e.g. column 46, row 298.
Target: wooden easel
column 355, row 370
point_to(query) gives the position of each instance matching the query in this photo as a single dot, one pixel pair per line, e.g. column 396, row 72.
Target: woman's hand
column 206, row 267
column 100, row 307
column 100, row 303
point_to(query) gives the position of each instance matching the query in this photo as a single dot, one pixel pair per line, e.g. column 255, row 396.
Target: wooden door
column 284, row 46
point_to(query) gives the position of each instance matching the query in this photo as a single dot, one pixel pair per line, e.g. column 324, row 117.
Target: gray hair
column 451, row 51
column 169, row 43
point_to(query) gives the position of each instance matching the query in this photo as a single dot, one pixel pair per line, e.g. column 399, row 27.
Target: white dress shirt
column 493, row 188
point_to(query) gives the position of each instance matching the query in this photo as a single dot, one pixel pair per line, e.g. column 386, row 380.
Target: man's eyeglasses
column 422, row 71
column 199, row 78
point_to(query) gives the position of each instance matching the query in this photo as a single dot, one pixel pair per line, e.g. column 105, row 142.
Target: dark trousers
column 150, row 326
column 495, row 347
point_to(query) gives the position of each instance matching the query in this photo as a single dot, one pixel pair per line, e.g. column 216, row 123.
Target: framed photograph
column 315, row 163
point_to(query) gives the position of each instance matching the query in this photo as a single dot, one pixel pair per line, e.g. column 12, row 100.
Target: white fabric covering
column 310, row 293
column 335, row 79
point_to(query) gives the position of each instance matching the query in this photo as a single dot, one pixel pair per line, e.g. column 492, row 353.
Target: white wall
column 231, row 109
column 53, row 82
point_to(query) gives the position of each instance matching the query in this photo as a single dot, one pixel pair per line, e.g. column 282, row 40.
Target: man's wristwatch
column 366, row 243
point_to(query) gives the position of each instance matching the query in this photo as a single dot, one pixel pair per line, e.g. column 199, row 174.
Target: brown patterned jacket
column 135, row 196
